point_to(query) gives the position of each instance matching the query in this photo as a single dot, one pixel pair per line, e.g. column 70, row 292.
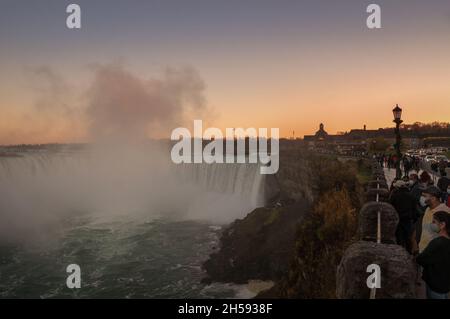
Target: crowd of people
column 424, row 224
column 410, row 163
column 390, row 161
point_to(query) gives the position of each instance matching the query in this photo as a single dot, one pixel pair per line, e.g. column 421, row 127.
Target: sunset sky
column 257, row 63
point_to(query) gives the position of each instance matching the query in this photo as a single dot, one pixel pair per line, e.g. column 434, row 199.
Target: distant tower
column 364, row 127
column 321, row 134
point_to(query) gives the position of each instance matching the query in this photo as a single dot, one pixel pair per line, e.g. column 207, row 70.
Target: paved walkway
column 390, row 175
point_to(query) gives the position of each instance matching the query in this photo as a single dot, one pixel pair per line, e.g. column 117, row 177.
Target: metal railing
column 373, row 291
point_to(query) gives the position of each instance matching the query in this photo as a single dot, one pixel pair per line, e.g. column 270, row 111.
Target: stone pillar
column 397, row 271
column 383, row 194
column 368, row 221
column 375, row 183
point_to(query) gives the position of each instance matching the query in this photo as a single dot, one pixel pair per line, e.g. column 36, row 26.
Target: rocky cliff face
column 260, row 245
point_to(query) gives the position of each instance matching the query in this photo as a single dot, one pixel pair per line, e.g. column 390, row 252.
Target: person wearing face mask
column 418, row 213
column 420, row 185
column 416, row 191
column 413, row 181
column 432, row 198
column 435, row 259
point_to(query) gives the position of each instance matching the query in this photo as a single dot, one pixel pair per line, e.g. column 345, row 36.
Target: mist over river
column 138, row 226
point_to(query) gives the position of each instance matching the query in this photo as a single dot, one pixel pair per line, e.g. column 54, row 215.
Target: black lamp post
column 398, row 139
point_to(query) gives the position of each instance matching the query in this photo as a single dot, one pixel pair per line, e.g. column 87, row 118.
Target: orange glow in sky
column 290, row 67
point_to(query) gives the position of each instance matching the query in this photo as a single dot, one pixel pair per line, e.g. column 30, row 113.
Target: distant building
column 351, row 143
column 321, row 135
column 355, row 135
column 357, row 140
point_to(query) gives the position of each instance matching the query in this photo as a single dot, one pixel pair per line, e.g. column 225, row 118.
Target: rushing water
column 156, row 259
column 138, row 253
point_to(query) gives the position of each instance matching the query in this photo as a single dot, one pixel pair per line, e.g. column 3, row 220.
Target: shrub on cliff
column 324, row 234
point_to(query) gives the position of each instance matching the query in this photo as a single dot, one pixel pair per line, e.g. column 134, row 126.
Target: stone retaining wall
column 376, row 245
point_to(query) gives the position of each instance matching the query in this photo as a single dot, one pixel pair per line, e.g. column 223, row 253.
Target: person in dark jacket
column 406, row 165
column 442, row 165
column 435, row 258
column 443, row 183
column 413, row 181
column 406, row 207
column 416, row 191
column 447, row 200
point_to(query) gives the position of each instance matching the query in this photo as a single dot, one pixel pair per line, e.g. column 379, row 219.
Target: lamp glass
column 397, row 113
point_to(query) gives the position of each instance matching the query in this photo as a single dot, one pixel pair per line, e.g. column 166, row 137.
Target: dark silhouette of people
column 406, row 207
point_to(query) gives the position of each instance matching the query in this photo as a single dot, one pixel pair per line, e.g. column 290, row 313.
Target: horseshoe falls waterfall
column 136, row 225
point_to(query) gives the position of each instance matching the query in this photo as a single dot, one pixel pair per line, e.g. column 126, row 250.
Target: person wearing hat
column 431, row 197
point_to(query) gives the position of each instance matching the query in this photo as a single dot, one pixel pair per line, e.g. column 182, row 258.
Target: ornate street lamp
column 397, row 111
